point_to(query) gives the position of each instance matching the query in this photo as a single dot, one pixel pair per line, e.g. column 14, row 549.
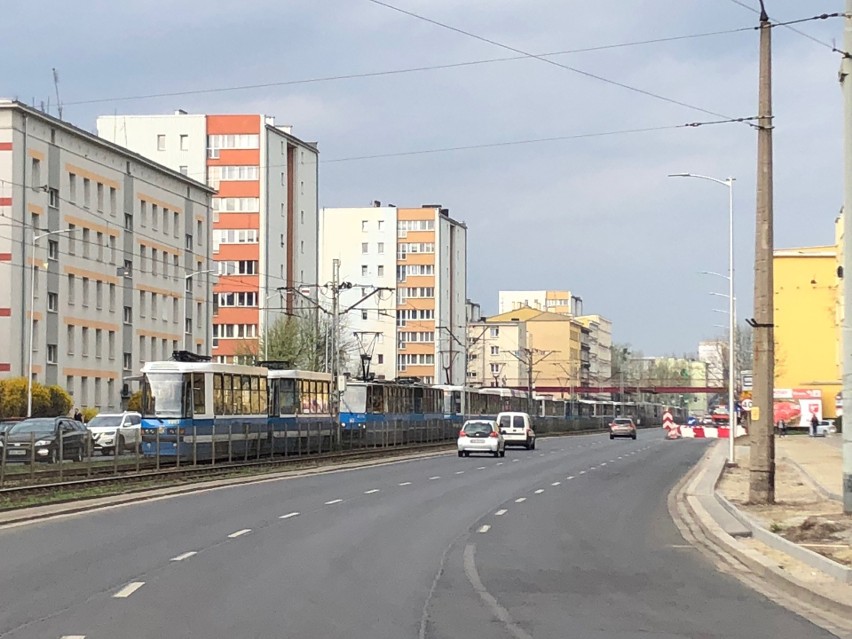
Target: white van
column 517, row 429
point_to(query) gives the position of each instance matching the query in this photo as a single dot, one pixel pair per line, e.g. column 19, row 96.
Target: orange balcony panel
column 415, row 214
column 229, row 347
column 418, row 236
column 241, row 188
column 238, row 221
column 227, row 157
column 419, row 303
column 418, row 348
column 237, row 315
column 224, row 124
column 238, row 252
column 418, row 280
column 237, row 283
column 418, row 258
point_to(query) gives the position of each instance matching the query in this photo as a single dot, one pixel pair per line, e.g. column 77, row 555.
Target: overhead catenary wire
column 588, row 74
column 788, row 25
column 419, row 69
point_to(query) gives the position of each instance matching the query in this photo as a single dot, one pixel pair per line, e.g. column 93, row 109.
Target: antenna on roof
column 56, row 88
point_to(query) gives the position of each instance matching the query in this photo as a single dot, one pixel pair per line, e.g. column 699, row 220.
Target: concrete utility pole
column 846, row 365
column 762, row 461
column 335, row 337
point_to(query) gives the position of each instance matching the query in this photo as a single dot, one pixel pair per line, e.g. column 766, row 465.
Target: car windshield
column 45, row 425
column 105, row 421
column 477, row 427
column 162, row 394
column 623, row 420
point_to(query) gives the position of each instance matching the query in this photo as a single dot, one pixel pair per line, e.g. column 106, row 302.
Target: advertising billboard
column 796, row 406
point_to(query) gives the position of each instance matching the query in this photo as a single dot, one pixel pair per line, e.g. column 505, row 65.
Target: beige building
column 600, row 348
column 551, row 343
column 564, row 302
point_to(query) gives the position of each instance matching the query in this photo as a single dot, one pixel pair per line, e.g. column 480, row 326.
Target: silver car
column 481, row 436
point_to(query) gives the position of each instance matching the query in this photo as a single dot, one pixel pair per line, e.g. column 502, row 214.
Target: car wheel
column 532, row 446
column 466, row 454
column 634, row 437
column 527, row 445
column 461, row 454
column 503, row 453
column 496, row 453
column 612, row 436
column 120, row 446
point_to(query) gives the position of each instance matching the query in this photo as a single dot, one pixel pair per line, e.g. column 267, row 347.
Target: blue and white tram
column 196, row 409
column 300, row 405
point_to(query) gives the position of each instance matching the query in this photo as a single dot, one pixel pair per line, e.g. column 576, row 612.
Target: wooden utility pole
column 762, row 458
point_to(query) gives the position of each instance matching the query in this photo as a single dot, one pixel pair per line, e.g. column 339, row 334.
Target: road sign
column 746, row 403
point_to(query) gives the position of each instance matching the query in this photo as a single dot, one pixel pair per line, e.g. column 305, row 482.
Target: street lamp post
column 732, row 418
column 35, row 239
column 280, row 294
column 185, row 284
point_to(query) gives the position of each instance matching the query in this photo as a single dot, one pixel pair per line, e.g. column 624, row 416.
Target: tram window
column 244, row 400
column 323, row 397
column 254, row 396
column 218, row 399
column 264, row 397
column 227, row 395
column 287, row 396
column 198, row 394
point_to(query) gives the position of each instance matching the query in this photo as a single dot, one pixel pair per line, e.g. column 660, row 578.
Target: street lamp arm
column 726, row 182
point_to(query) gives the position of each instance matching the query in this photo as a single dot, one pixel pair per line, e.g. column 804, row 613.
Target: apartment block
column 493, row 352
column 418, row 256
column 107, row 237
column 600, row 348
column 265, row 210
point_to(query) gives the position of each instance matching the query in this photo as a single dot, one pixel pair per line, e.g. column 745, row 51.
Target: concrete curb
column 813, row 482
column 756, row 562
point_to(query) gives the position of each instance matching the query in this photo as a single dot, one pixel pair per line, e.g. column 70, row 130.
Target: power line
column 540, row 140
column 389, row 72
column 587, row 74
column 787, row 25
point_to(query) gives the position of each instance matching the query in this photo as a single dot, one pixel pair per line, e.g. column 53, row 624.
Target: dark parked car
column 45, row 432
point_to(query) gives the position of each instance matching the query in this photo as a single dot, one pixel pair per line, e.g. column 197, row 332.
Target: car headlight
column 43, row 442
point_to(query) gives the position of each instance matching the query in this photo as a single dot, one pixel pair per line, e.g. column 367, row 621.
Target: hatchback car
column 622, row 427
column 39, row 438
column 481, row 436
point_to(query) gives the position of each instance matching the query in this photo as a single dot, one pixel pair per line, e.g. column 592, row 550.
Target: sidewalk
column 819, row 458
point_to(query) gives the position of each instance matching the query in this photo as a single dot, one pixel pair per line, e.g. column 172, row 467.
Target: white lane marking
column 520, row 500
column 405, row 483
column 570, row 477
column 556, row 483
column 611, row 461
column 333, row 501
column 239, row 533
column 541, row 454
column 459, row 472
column 516, row 460
column 435, row 477
column 481, row 468
column 185, row 555
column 370, row 492
column 289, row 516
column 582, row 472
column 73, row 637
column 485, row 528
column 592, row 467
column 499, row 463
column 539, row 491
column 603, row 464
column 128, row 590
column 487, row 598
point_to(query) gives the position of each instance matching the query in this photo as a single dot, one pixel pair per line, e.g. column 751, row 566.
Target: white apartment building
column 714, row 353
column 419, row 257
column 490, row 354
column 265, row 222
column 115, row 235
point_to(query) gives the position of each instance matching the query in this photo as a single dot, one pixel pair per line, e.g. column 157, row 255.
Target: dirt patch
column 814, row 529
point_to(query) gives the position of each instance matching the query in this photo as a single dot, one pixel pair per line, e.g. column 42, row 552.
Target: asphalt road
column 572, row 540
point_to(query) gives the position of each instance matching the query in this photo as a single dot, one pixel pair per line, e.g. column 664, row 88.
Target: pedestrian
column 814, row 424
column 782, row 427
column 78, row 416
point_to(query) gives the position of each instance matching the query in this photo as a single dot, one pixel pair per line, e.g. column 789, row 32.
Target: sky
column 591, row 213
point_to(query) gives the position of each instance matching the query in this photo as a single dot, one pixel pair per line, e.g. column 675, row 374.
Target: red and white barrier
column 710, row 432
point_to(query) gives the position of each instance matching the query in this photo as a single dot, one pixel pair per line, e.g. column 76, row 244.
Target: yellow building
column 807, row 335
column 552, row 342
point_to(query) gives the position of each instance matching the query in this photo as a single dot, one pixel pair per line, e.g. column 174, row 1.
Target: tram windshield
column 162, row 395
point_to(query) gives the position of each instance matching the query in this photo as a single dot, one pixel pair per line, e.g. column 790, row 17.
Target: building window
column 112, row 249
column 301, row 217
column 176, row 224
column 166, row 221
column 84, row 341
column 52, row 302
column 364, row 248
column 127, row 361
column 113, row 201
column 302, row 246
column 381, row 358
column 69, row 337
column 174, row 310
column 51, row 353
column 381, row 248
column 53, row 198
column 143, row 304
column 380, row 271
column 184, row 142
column 128, row 315
column 72, row 286
column 184, row 170
column 363, row 270
column 363, row 315
column 99, row 342
column 128, row 222
column 100, row 239
column 111, row 344
column 52, row 250
column 236, row 204
column 100, row 197
column 99, row 295
column 495, row 332
column 85, row 291
column 155, row 214
column 72, row 188
column 364, row 225
column 87, row 193
column 161, row 142
column 495, row 350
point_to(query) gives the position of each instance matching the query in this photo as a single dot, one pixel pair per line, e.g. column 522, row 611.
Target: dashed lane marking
column 459, row 472
column 539, row 491
column 499, row 463
column 185, row 555
column 239, row 533
column 481, row 468
column 603, row 464
column 485, row 528
column 520, row 500
column 405, row 483
column 516, row 460
column 289, row 516
column 333, row 501
column 434, row 478
column 502, row 511
column 370, row 492
column 73, row 637
column 582, row 472
column 570, row 477
column 128, row 590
